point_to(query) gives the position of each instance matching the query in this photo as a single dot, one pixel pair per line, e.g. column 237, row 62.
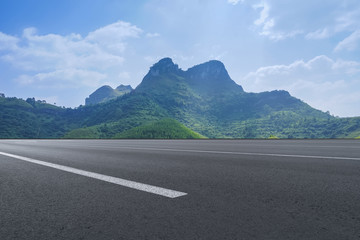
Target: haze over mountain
column 106, row 93
column 203, row 98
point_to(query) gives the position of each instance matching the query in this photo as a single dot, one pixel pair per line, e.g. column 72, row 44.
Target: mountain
column 208, row 101
column 203, row 98
column 106, row 93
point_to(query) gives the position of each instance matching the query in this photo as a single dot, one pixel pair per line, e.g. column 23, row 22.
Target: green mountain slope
column 203, row 98
column 162, row 129
column 33, row 119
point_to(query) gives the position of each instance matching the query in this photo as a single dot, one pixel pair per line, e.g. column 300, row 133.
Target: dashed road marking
column 236, row 153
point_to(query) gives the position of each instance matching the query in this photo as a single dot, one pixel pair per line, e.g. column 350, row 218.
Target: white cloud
column 64, row 78
column 322, row 82
column 56, row 60
column 350, row 43
column 152, row 35
column 347, row 21
column 319, row 34
column 8, row 42
column 111, row 37
column 70, row 66
column 124, row 75
column 234, row 2
column 279, row 20
column 266, row 24
column 264, row 14
column 277, row 36
column 114, row 32
column 263, row 22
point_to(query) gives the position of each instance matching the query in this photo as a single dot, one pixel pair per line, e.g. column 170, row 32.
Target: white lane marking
column 237, row 153
column 119, row 181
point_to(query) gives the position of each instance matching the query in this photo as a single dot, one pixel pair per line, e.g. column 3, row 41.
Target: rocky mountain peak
column 165, row 65
column 213, row 69
column 211, row 77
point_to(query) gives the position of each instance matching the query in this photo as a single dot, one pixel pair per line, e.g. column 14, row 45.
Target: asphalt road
column 235, row 189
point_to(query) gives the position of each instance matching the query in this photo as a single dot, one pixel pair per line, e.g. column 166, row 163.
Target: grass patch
column 273, row 137
column 162, row 129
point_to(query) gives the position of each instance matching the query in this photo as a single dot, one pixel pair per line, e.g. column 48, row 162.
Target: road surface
column 179, row 189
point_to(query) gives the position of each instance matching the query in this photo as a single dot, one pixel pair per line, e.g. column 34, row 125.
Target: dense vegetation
column 162, row 129
column 203, row 98
column 33, row 119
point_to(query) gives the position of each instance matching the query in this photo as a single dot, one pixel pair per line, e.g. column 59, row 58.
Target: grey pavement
column 236, row 189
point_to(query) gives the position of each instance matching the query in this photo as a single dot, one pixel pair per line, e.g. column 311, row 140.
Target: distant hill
column 203, row 98
column 33, row 119
column 106, row 93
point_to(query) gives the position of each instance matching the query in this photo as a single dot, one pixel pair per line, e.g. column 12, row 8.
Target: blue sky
column 61, row 51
